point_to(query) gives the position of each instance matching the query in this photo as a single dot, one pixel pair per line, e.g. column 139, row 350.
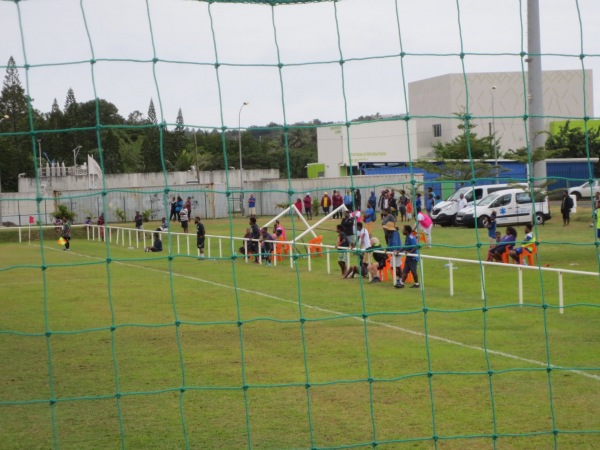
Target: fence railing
column 134, row 238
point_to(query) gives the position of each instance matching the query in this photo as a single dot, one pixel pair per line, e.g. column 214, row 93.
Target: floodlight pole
column 494, row 134
column 535, row 89
column 241, row 166
column 2, row 119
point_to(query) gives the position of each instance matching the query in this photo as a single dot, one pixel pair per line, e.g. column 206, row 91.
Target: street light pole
column 6, row 116
column 494, row 132
column 241, row 166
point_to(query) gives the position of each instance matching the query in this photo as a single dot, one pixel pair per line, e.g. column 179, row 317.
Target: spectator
column 373, row 200
column 279, row 228
column 418, row 203
column 384, row 201
column 139, row 222
column 393, row 205
column 266, row 241
column 157, row 245
column 357, row 200
column 386, row 218
column 429, row 203
column 173, row 215
column 252, row 206
column 101, row 226
column 565, row 208
column 394, row 244
column 342, row 245
column 507, row 242
column 178, row 208
column 379, row 259
column 298, row 205
column 409, row 210
column 490, row 257
column 348, row 228
column 337, row 201
column 527, row 245
column 411, row 263
column 462, row 202
column 88, row 222
column 424, row 224
column 325, row 203
column 596, row 206
column 491, row 227
column 369, row 217
column 246, row 241
column 348, row 200
column 188, row 205
column 200, row 236
column 363, row 241
column 402, row 202
column 66, row 233
column 183, row 217
column 308, row 206
column 163, row 224
column 254, row 238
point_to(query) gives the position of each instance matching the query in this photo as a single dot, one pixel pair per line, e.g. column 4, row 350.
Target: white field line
column 373, row 322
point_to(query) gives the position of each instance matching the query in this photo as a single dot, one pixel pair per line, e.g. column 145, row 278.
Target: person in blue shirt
column 348, row 200
column 373, row 200
column 418, row 204
column 411, row 264
column 252, row 206
column 369, row 217
column 491, row 226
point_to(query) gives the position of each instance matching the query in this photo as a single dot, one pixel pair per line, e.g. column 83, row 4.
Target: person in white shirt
column 462, row 203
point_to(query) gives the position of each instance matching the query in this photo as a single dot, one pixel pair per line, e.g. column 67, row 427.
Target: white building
column 377, row 142
column 496, row 101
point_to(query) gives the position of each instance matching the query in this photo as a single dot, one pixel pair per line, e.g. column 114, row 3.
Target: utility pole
column 537, row 135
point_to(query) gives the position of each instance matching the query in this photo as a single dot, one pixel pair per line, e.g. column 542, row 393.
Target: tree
column 17, row 155
column 450, row 156
column 572, row 143
column 151, row 146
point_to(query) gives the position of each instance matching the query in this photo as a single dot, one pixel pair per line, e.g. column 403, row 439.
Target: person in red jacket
column 308, row 206
column 336, row 202
column 298, row 205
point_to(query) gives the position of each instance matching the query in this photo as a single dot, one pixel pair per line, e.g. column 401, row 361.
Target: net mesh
column 113, row 350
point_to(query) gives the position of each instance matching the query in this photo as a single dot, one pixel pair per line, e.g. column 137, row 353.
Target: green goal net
column 221, row 341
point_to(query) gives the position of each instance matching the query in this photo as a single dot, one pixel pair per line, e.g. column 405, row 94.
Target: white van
column 512, row 206
column 444, row 213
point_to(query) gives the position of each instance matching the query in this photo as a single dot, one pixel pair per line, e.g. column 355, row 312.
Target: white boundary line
column 337, row 313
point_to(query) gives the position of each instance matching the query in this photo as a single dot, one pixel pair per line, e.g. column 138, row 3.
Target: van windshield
column 487, row 200
column 456, row 196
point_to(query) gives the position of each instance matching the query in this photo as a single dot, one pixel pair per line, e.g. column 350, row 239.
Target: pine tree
column 16, row 151
column 71, row 119
column 151, row 145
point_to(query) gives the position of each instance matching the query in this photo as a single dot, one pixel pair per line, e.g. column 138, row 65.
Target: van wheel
column 539, row 218
column 577, row 195
column 482, row 222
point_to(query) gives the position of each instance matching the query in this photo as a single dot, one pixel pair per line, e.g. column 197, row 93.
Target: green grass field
column 109, row 347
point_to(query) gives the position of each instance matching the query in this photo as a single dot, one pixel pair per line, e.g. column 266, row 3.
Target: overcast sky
column 58, row 38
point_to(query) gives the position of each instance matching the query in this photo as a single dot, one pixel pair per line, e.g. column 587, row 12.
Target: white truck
column 513, row 206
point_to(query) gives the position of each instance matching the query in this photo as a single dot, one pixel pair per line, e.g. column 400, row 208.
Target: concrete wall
column 141, row 180
column 208, row 200
column 447, row 94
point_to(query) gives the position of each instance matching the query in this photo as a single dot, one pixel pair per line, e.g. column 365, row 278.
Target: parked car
column 584, row 190
column 512, row 206
column 444, row 213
